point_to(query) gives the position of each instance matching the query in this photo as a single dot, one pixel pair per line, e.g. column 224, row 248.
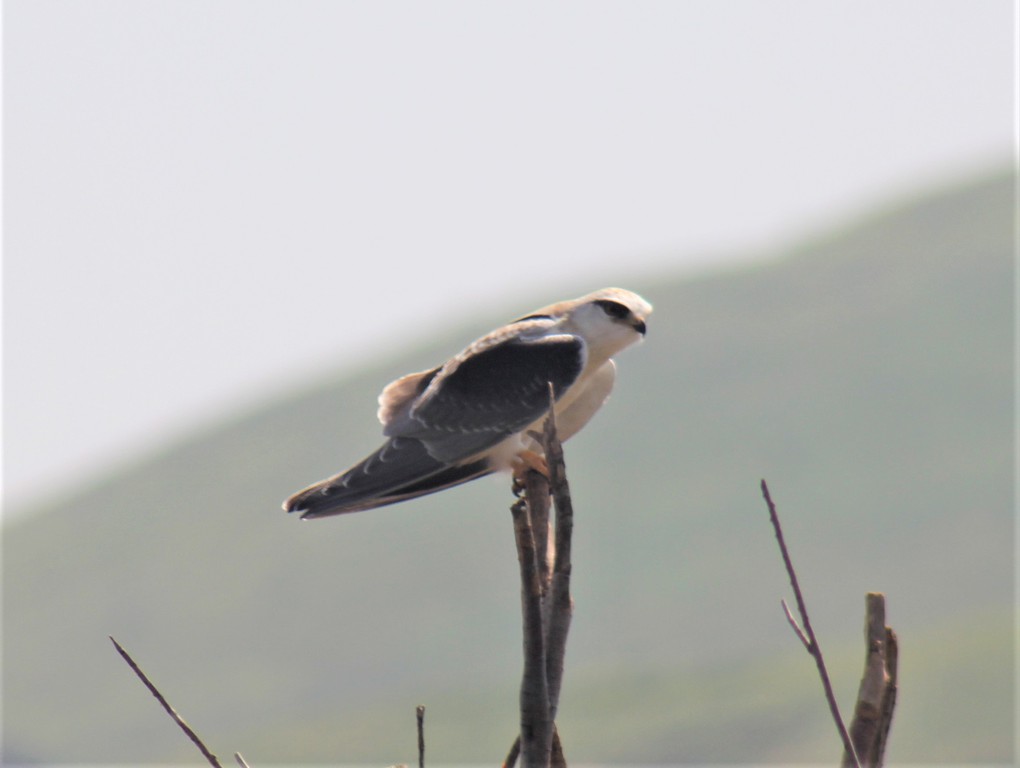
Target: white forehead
column 629, row 299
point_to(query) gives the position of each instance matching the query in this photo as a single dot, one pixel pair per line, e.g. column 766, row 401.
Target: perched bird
column 482, row 410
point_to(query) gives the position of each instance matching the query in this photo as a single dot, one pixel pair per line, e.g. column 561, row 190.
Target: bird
column 481, row 411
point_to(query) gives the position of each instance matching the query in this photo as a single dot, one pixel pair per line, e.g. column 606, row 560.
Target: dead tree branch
column 876, row 697
column 560, row 605
column 166, row 705
column 807, row 634
column 420, row 717
column 545, row 588
column 536, row 494
column 536, row 725
column 556, row 759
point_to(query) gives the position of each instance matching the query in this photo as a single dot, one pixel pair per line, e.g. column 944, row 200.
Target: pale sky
column 207, row 202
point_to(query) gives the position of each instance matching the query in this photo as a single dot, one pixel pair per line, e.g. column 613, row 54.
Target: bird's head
column 608, row 320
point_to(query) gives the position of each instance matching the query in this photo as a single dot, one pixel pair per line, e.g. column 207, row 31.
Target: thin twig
column 808, row 633
column 166, row 705
column 515, row 750
column 240, row 760
column 420, row 717
column 796, row 626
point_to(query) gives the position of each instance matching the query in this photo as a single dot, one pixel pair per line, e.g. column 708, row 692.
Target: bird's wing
column 440, row 422
column 489, row 393
column 401, row 469
column 399, row 396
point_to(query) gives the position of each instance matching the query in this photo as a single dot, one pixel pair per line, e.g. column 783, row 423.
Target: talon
column 517, row 484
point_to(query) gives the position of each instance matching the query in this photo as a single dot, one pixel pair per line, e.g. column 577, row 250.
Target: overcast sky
column 206, row 202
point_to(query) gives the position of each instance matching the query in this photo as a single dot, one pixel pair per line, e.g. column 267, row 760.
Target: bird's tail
column 401, row 469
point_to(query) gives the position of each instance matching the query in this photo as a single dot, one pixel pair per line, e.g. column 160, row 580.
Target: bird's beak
column 640, row 327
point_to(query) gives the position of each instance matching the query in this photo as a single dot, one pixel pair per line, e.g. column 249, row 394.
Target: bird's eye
column 614, row 308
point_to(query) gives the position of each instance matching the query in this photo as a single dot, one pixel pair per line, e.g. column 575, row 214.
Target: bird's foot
column 529, row 460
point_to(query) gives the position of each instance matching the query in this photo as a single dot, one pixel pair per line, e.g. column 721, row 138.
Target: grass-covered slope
column 867, row 376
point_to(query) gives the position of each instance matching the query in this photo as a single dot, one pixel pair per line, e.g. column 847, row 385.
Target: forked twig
column 169, row 710
column 546, row 601
column 556, row 759
column 807, row 634
column 796, row 627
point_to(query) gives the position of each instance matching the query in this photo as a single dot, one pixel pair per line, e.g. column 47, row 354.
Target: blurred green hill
column 866, row 373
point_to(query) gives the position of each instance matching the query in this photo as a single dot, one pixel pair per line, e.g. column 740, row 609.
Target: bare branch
column 536, row 492
column 556, row 759
column 166, row 705
column 240, row 760
column 892, row 660
column 420, row 717
column 544, row 654
column 560, row 606
column 812, row 642
column 876, row 698
column 536, row 725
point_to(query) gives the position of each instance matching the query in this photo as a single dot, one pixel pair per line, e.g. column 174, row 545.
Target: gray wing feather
column 493, row 393
column 458, row 411
column 399, row 462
